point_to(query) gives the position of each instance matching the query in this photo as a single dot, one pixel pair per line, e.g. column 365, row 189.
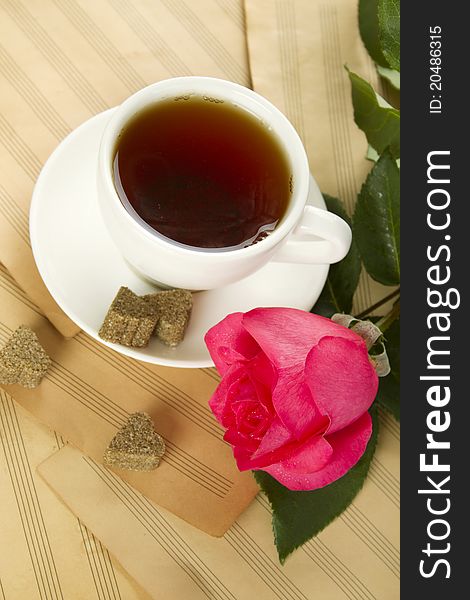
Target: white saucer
column 83, row 269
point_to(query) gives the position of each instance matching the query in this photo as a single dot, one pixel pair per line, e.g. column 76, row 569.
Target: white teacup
column 305, row 234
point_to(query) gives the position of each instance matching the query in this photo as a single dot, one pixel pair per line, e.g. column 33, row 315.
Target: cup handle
column 320, row 237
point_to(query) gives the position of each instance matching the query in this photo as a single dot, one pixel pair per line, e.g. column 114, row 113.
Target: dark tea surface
column 206, row 174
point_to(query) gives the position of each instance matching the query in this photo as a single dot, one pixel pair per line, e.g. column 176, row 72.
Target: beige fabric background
column 62, row 61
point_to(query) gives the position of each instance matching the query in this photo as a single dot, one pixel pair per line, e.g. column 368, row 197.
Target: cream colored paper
column 63, row 61
column 352, row 559
column 90, row 390
column 356, row 557
column 46, row 553
column 298, row 50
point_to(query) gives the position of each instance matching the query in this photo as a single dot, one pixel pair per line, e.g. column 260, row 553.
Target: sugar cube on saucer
column 174, row 309
column 136, row 446
column 23, row 359
column 130, row 320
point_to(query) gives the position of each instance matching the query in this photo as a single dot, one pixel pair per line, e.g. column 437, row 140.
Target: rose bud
column 294, row 394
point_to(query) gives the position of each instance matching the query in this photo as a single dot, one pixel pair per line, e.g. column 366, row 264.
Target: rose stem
column 384, row 323
column 378, row 304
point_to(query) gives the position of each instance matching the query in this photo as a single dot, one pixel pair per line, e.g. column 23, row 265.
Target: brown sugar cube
column 130, row 320
column 174, row 309
column 23, row 359
column 137, row 446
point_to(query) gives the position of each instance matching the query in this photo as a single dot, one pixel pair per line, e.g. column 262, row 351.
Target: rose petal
column 251, row 418
column 286, row 335
column 342, row 380
column 228, row 342
column 275, row 437
column 309, row 456
column 262, row 373
column 348, row 445
column 242, row 445
column 277, row 445
column 271, row 445
column 294, row 404
column 219, row 402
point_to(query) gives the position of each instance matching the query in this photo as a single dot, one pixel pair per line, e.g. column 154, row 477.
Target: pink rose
column 294, row 394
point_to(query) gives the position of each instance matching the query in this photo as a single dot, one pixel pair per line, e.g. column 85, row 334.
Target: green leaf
column 388, row 395
column 372, row 155
column 376, row 221
column 389, row 31
column 298, row 516
column 343, row 277
column 369, row 28
column 390, row 75
column 377, row 119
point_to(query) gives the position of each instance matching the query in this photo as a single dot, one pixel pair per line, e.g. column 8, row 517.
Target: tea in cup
column 202, row 181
